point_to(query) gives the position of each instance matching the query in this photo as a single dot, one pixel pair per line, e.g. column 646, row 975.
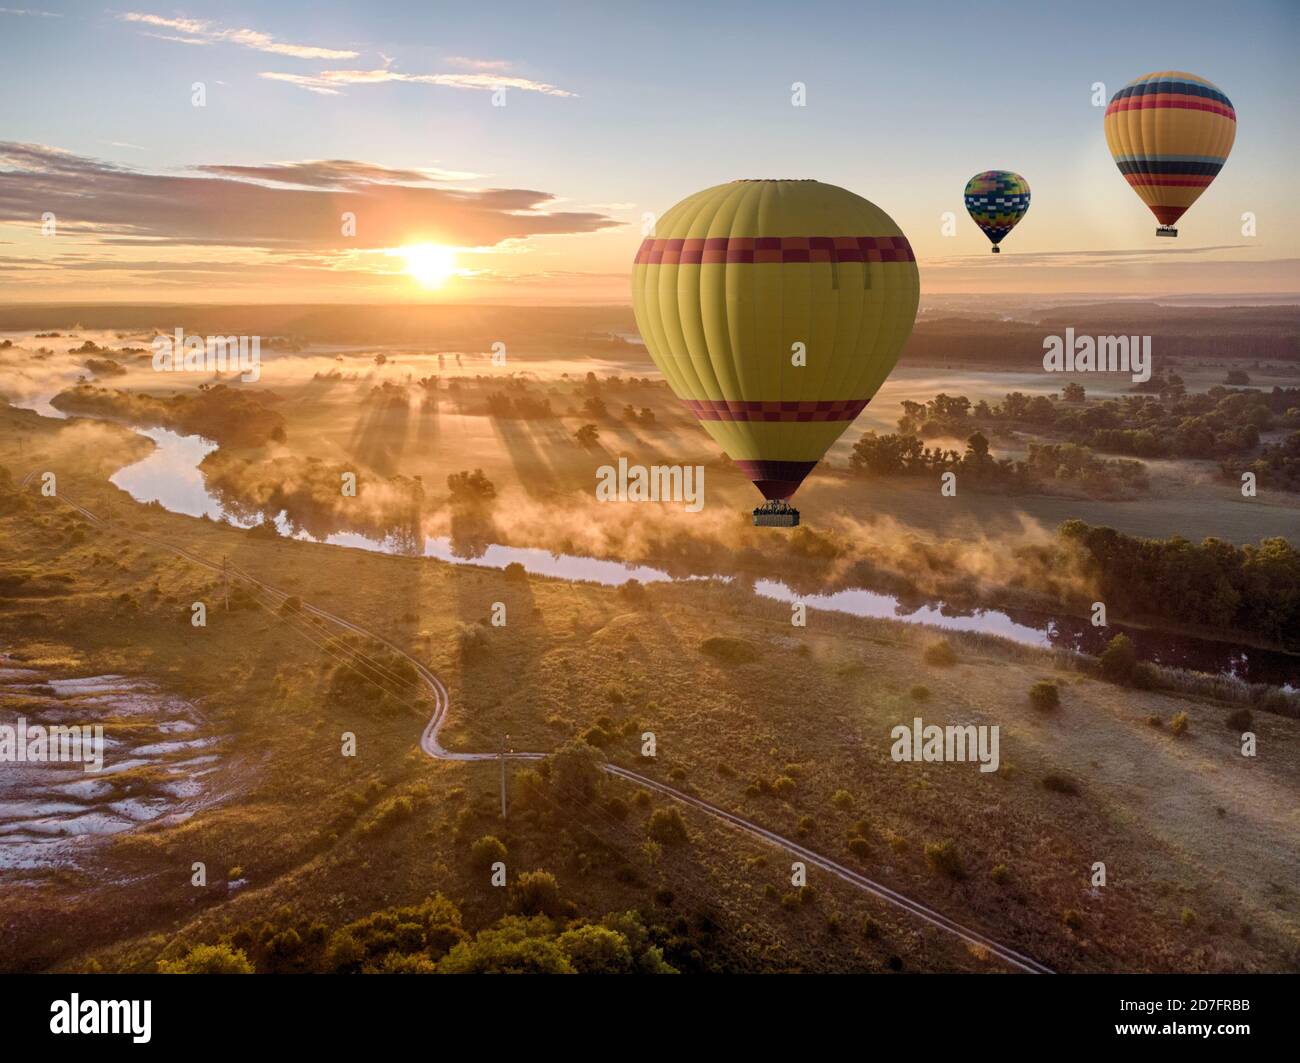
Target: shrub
column 516, row 573
column 940, row 654
column 783, row 784
column 1000, row 874
column 1045, row 695
column 596, row 950
column 859, row 847
column 870, row 928
column 1061, row 784
column 729, row 650
column 208, row 959
column 1188, row 917
column 920, row 693
column 1178, row 725
column 1119, row 660
column 487, row 851
column 667, row 826
column 944, row 858
column 536, row 893
column 1239, row 720
column 842, row 799
column 1071, row 918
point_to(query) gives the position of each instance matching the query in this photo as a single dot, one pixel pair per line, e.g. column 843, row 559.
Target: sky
column 510, row 152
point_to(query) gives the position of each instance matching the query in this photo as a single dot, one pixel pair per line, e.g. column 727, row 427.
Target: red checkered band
column 811, row 410
column 725, row 249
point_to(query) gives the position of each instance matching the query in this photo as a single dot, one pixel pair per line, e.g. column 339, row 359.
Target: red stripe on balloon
column 759, row 249
column 757, row 410
column 1170, row 100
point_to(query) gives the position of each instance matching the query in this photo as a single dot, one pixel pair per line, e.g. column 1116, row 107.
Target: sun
column 429, row 265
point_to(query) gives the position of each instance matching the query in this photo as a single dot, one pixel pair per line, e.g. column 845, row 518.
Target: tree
column 596, row 949
column 1119, row 660
column 536, row 893
column 466, row 487
column 587, row 436
column 667, row 827
column 574, row 770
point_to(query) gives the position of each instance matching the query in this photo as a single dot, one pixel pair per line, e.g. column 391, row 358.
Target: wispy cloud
column 327, row 82
column 29, row 13
column 293, row 206
column 202, row 31
column 478, row 64
column 335, row 173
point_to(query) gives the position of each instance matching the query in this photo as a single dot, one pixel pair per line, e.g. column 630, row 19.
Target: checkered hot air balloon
column 775, row 309
column 996, row 201
column 1170, row 134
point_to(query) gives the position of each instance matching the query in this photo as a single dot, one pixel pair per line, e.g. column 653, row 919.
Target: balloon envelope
column 740, row 278
column 1170, row 134
column 996, row 200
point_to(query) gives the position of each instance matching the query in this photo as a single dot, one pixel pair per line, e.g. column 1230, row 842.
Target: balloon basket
column 997, row 250
column 1166, row 230
column 776, row 514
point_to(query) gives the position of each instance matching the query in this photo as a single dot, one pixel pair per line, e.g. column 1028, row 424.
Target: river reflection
column 170, row 476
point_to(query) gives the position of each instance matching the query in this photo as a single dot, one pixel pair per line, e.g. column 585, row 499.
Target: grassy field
column 1199, row 843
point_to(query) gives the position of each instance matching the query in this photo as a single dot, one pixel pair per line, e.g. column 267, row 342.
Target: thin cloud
column 335, row 173
column 327, row 81
column 304, row 81
column 478, row 64
column 29, row 13
column 201, row 31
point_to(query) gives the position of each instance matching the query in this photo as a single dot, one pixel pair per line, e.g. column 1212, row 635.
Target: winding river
column 170, row 476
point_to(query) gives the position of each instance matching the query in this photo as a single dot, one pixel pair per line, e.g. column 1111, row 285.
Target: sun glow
column 429, row 265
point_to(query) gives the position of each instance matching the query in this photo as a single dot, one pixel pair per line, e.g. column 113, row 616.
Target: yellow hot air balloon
column 1170, row 133
column 775, row 309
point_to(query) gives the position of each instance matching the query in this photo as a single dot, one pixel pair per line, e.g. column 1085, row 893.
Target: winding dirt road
column 441, row 701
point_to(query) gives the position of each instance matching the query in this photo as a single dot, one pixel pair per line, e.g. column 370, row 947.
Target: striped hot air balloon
column 1170, row 134
column 997, row 200
column 737, row 280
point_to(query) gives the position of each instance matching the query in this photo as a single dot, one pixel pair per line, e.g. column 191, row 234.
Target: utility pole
column 503, row 776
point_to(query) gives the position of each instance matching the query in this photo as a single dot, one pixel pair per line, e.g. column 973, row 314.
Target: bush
column 667, row 826
column 940, row 654
column 486, row 851
column 1000, row 873
column 1045, row 696
column 729, row 650
column 842, row 799
column 1178, row 725
column 1071, row 918
column 1060, row 784
column 920, row 693
column 783, row 785
column 1239, row 720
column 859, row 847
column 944, row 858
column 596, row 950
column 516, row 573
column 536, row 893
column 1119, row 660
column 208, row 959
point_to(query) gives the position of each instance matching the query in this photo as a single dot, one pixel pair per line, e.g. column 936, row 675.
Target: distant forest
column 1268, row 333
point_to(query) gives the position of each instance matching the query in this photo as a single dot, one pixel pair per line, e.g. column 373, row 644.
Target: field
column 1198, row 841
